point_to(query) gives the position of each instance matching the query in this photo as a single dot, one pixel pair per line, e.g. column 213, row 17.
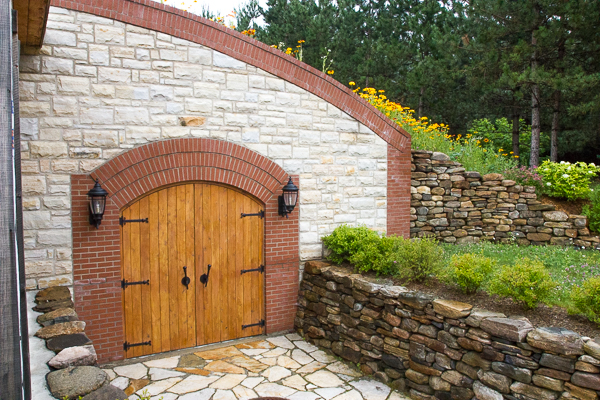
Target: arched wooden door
column 191, row 225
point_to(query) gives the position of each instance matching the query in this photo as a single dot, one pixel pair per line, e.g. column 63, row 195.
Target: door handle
column 185, row 281
column 204, row 277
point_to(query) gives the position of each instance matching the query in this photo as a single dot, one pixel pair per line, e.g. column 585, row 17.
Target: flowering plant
column 567, row 180
column 526, row 177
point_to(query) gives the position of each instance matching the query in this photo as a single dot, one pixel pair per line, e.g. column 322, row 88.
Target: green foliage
column 592, row 211
column 527, row 282
column 469, row 271
column 346, row 241
column 587, row 299
column 416, row 259
column 526, row 176
column 373, row 254
column 566, row 180
column 499, row 135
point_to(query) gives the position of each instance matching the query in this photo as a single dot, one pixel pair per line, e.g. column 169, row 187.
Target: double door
column 195, row 231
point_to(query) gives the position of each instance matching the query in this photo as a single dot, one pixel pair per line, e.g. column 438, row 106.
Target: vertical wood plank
column 126, row 274
column 154, row 264
column 146, row 290
column 136, row 290
column 200, row 262
column 225, row 270
column 190, row 294
column 163, row 254
column 209, row 259
column 178, row 270
column 174, row 336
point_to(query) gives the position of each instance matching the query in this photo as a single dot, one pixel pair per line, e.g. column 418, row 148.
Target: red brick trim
column 96, row 252
column 398, row 192
column 162, row 18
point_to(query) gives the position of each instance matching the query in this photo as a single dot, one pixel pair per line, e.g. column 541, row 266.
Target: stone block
column 556, row 340
column 506, row 328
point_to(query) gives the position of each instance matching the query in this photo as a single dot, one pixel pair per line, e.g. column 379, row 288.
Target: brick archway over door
column 96, row 252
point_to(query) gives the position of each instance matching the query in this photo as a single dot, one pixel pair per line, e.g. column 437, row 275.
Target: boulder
column 557, row 362
column 592, row 347
column 74, row 356
column 315, row 267
column 533, row 391
column 416, row 300
column 73, row 382
column 477, row 315
column 492, row 177
column 515, row 330
column 53, row 305
column 555, row 216
column 585, row 380
column 65, row 328
column 55, row 293
column 61, row 312
column 107, row 392
column 485, row 393
column 58, row 343
column 516, row 373
column 451, row 309
column 440, row 156
column 580, row 393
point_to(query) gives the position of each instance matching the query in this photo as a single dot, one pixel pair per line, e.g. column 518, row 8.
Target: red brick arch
column 172, row 21
column 96, row 252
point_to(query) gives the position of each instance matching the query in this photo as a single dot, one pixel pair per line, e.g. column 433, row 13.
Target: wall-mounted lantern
column 97, row 198
column 288, row 200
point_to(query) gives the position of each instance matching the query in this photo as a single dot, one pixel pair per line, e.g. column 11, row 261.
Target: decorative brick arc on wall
column 96, row 252
column 438, row 349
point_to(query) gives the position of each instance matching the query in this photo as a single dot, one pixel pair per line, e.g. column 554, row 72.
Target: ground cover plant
column 529, row 275
column 592, row 211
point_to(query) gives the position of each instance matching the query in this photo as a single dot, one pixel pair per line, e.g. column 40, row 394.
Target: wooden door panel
column 192, row 225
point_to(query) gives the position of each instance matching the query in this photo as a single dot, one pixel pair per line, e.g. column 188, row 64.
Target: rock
column 58, row 320
column 366, row 286
column 451, row 309
column 585, row 380
column 61, row 312
column 557, row 362
column 74, row 356
column 457, row 379
column 461, row 393
column 59, row 343
column 55, row 293
column 496, row 381
column 107, row 392
column 392, row 291
column 580, row 393
column 192, row 121
column 438, row 383
column 65, row 328
column 521, row 362
column 53, row 305
column 75, row 381
column 485, row 393
column 555, row 216
column 592, row 347
column 417, row 377
column 563, row 376
column 516, row 373
column 533, row 392
column 474, row 359
column 538, row 237
column 590, row 360
column 440, row 156
column 506, row 328
column 416, row 300
column 586, row 367
column 492, row 177
column 556, row 340
column 548, row 383
column 315, row 267
column 477, row 315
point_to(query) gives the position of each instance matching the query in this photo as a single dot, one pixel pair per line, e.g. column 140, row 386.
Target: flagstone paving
column 282, row 366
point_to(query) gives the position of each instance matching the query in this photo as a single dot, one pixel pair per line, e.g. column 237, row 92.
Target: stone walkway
column 282, row 366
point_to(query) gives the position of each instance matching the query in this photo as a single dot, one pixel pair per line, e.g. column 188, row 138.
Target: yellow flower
column 516, row 156
column 351, row 83
column 486, row 140
column 301, row 41
column 500, row 150
column 330, row 72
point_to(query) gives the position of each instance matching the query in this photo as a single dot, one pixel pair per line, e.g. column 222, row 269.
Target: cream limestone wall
column 99, row 87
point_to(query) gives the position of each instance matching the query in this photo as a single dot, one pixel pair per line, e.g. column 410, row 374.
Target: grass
column 568, row 266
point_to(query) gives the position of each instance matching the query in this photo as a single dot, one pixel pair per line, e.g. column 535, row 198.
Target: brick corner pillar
column 282, row 265
column 398, row 190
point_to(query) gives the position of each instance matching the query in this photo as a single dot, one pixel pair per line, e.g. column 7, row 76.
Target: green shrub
column 587, row 299
column 414, row 260
column 373, row 254
column 593, row 211
column 345, row 241
column 469, row 271
column 527, row 282
column 566, row 180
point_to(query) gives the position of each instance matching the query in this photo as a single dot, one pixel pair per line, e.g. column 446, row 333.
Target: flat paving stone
column 193, row 384
column 224, row 367
column 133, row 371
column 351, row 395
column 323, row 357
column 224, row 395
column 252, row 382
column 273, row 390
column 248, row 363
column 170, row 362
column 205, row 394
column 324, row 379
column 218, row 354
column 121, row 382
column 304, row 396
column 276, row 373
column 229, row 381
column 281, row 341
column 243, row 393
column 301, row 357
column 307, row 347
column 343, row 368
column 329, row 393
column 312, row 367
column 372, row 390
column 287, row 362
column 157, row 374
column 295, row 382
column 293, row 336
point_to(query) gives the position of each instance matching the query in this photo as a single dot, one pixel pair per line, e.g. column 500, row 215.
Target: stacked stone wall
column 438, row 349
column 459, row 206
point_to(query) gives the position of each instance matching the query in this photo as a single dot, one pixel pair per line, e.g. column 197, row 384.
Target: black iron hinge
column 260, row 214
column 123, row 221
column 124, row 283
column 261, row 323
column 127, row 346
column 260, row 269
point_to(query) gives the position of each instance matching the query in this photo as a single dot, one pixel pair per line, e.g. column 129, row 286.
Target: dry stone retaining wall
column 438, row 349
column 459, row 206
